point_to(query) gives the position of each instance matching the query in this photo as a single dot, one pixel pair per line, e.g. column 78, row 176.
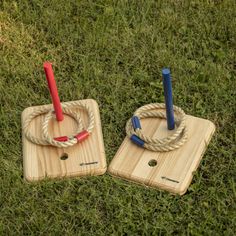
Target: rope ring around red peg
column 174, row 141
column 80, row 134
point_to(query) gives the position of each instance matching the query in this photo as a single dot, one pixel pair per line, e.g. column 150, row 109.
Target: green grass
column 113, row 51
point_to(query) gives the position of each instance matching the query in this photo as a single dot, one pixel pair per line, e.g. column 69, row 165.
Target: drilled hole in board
column 152, row 163
column 64, row 156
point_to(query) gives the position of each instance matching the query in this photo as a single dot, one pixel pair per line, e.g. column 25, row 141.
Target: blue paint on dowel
column 138, row 141
column 136, row 122
column 168, row 98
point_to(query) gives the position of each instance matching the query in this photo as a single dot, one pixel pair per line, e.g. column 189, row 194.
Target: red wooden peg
column 53, row 90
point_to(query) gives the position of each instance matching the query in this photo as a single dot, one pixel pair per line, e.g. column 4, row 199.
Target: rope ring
column 174, row 141
column 63, row 141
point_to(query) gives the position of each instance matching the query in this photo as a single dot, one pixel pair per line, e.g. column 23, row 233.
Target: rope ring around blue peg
column 174, row 141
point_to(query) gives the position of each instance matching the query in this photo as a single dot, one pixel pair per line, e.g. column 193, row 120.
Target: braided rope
column 80, row 134
column 174, row 141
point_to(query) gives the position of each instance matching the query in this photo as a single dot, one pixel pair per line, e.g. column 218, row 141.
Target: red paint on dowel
column 62, row 139
column 53, row 90
column 82, row 136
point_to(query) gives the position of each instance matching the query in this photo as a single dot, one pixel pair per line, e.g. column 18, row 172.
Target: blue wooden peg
column 168, row 98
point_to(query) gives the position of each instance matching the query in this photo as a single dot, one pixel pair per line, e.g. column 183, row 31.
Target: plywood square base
column 174, row 170
column 86, row 158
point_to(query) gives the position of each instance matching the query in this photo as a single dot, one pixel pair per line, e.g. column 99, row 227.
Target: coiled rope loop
column 174, row 141
column 80, row 134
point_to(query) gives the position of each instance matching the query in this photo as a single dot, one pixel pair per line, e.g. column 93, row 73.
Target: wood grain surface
column 173, row 170
column 86, row 158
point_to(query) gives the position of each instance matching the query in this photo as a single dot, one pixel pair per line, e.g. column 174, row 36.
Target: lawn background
column 113, row 51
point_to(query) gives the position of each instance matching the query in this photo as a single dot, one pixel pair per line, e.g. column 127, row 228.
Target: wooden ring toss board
column 171, row 171
column 83, row 159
